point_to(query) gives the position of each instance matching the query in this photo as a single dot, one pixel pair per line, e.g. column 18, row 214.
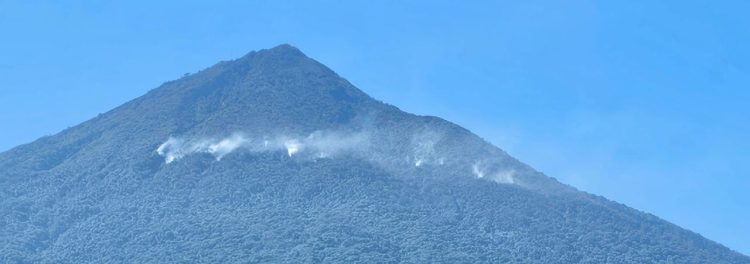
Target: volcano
column 273, row 157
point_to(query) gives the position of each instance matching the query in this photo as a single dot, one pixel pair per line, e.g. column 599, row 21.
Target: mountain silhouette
column 273, row 157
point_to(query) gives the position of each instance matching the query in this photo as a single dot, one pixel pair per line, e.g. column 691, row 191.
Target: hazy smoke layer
column 480, row 170
column 319, row 144
column 328, row 144
column 423, row 149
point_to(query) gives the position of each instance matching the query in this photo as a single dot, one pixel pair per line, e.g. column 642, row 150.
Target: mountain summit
column 273, row 157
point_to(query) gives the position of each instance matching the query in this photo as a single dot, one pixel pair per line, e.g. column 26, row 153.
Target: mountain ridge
column 244, row 128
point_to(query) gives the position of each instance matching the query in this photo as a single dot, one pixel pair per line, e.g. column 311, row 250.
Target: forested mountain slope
column 273, row 157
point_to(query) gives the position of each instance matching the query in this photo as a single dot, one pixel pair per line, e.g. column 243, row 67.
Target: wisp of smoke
column 500, row 176
column 326, row 144
column 171, row 150
column 477, row 172
column 176, row 148
column 227, row 145
column 319, row 144
column 292, row 147
column 423, row 149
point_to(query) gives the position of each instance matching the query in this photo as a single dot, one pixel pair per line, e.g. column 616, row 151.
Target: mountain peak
column 283, row 49
column 275, row 158
column 283, row 53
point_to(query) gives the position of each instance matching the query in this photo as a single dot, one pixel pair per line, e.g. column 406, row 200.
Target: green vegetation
column 99, row 192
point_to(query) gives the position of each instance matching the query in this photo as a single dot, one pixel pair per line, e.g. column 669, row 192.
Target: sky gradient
column 643, row 103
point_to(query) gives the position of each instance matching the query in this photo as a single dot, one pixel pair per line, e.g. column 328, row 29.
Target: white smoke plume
column 477, row 172
column 500, row 176
column 176, row 148
column 292, row 147
column 320, row 144
column 423, row 149
column 227, row 145
column 423, row 152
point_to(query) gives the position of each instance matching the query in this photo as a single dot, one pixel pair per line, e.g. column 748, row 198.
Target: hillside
column 273, row 157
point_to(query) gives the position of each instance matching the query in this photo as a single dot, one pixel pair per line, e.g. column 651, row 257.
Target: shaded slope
column 99, row 192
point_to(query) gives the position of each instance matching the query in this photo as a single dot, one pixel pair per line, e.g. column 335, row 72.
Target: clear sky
column 642, row 102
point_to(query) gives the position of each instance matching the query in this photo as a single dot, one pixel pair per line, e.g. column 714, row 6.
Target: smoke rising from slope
column 176, row 148
column 422, row 152
column 424, row 149
column 319, row 144
column 480, row 170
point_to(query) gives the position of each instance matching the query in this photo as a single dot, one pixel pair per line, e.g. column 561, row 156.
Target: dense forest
column 275, row 158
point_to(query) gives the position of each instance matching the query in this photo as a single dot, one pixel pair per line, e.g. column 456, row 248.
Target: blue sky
column 642, row 102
